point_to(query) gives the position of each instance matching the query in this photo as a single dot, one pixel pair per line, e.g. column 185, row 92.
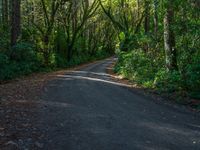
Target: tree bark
column 15, row 22
column 169, row 39
column 138, row 9
column 155, row 17
column 4, row 9
column 1, row 11
column 147, row 17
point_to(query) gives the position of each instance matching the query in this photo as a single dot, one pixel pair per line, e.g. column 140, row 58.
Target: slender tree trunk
column 147, row 17
column 69, row 52
column 33, row 12
column 169, row 39
column 146, row 21
column 15, row 21
column 4, row 10
column 46, row 49
column 138, row 8
column 74, row 15
column 155, row 17
column 1, row 11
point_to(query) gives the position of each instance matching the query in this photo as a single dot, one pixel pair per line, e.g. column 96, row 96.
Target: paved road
column 87, row 110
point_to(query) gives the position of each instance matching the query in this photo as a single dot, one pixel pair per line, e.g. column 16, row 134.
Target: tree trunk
column 155, row 17
column 147, row 17
column 4, row 9
column 1, row 11
column 138, row 8
column 6, row 12
column 69, row 52
column 169, row 39
column 46, row 49
column 15, row 21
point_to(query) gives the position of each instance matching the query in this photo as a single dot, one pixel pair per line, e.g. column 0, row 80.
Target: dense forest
column 157, row 42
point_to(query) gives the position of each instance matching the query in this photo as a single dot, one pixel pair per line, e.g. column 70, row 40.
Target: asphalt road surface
column 87, row 110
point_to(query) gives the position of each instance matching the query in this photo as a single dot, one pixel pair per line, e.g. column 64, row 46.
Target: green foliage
column 76, row 60
column 3, row 59
column 144, row 60
column 138, row 66
column 20, row 60
column 82, row 58
column 4, row 39
column 149, row 72
column 168, row 81
column 23, row 52
column 60, row 61
column 193, row 75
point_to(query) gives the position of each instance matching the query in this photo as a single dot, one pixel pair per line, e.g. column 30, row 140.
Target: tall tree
column 15, row 21
column 4, row 12
column 155, row 17
column 86, row 11
column 169, row 38
column 147, row 16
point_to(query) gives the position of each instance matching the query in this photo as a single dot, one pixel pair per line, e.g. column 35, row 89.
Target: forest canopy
column 157, row 42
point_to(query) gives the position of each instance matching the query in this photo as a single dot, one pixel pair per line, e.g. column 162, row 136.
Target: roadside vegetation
column 157, row 42
column 162, row 51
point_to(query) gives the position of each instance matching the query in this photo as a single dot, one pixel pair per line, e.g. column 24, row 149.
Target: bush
column 193, row 80
column 193, row 76
column 76, row 60
column 168, row 81
column 20, row 60
column 23, row 52
column 149, row 71
column 138, row 66
column 4, row 39
column 3, row 59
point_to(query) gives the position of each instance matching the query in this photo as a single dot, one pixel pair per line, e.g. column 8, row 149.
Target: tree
column 49, row 10
column 155, row 17
column 169, row 38
column 5, row 12
column 85, row 11
column 15, row 21
column 147, row 16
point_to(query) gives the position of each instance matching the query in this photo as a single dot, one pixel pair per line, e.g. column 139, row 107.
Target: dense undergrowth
column 150, row 72
column 164, row 57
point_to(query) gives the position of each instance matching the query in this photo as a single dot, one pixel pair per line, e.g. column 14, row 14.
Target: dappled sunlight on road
column 93, row 73
column 67, row 77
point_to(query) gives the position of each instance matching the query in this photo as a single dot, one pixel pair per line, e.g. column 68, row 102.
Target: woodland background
column 157, row 42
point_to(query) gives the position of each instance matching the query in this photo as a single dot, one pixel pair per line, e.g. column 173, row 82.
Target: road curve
column 87, row 110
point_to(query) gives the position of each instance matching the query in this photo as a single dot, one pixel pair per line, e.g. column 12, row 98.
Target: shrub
column 4, row 40
column 138, row 66
column 168, row 81
column 23, row 52
column 149, row 71
column 193, row 80
column 20, row 60
column 7, row 68
column 3, row 59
